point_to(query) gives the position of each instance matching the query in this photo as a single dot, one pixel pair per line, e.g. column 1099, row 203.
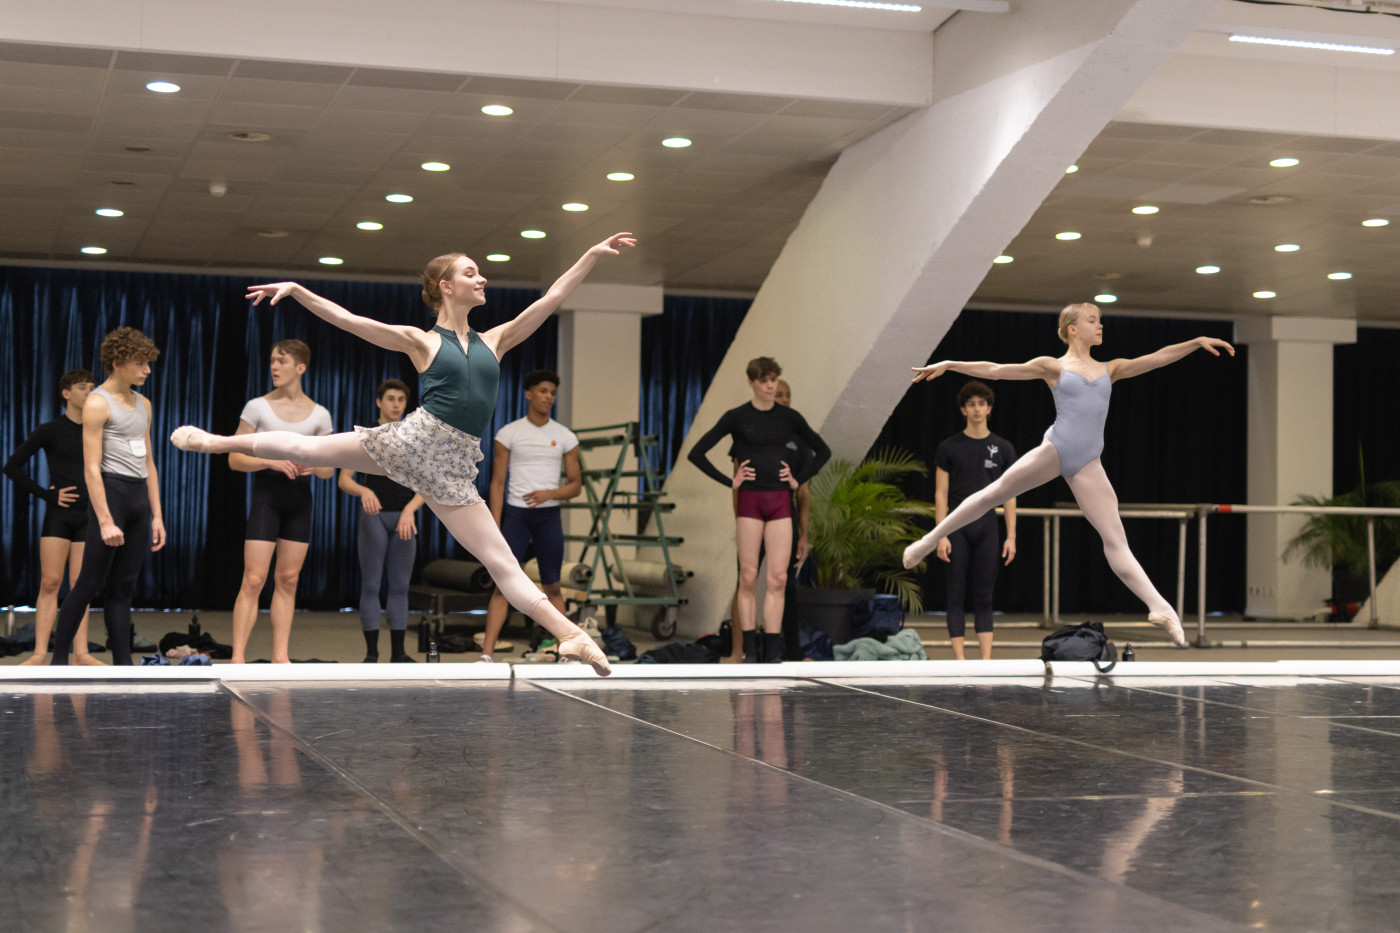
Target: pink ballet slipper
column 1171, row 624
column 581, row 648
column 188, row 437
column 913, row 554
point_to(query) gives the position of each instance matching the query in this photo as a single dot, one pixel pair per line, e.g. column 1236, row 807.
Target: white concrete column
column 907, row 223
column 600, row 352
column 1289, row 452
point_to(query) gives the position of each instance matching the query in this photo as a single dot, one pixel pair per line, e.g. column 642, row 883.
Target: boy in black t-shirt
column 965, row 463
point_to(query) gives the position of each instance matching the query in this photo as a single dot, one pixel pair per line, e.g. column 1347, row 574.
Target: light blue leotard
column 1081, row 406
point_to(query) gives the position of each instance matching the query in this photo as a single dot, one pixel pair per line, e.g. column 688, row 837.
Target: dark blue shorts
column 545, row 528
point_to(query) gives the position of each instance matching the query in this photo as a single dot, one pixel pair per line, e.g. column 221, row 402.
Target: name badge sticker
column 138, row 447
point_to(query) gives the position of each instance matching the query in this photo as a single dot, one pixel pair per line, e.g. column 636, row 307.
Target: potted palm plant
column 1338, row 542
column 861, row 522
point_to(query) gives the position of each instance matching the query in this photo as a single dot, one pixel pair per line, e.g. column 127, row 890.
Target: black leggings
column 116, row 567
column 973, row 566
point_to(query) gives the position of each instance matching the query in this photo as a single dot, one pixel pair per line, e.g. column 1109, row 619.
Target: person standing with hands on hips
column 535, row 451
column 965, row 463
column 387, row 538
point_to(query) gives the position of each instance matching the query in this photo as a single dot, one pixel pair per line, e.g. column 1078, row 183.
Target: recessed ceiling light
column 1287, row 248
column 399, row 198
column 370, row 225
column 1308, row 44
column 1265, row 294
column 1068, row 235
column 675, row 142
column 1283, row 163
column 620, row 176
column 330, row 260
column 497, row 110
column 249, row 136
column 435, row 166
column 162, row 87
column 865, row 5
column 1106, row 298
column 94, row 250
column 498, row 257
column 533, row 234
column 574, row 206
column 1207, row 270
column 1004, row 259
column 1146, row 209
column 1071, row 170
column 108, row 212
column 1338, row 276
column 1375, row 222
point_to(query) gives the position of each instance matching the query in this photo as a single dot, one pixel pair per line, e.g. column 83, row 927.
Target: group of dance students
column 432, row 454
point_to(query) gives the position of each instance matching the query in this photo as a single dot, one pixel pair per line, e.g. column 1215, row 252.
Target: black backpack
column 1083, row 642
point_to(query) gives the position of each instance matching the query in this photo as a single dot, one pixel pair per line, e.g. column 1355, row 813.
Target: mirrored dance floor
column 1072, row 803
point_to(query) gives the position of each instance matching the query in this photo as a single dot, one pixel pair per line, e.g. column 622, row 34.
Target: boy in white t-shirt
column 535, row 450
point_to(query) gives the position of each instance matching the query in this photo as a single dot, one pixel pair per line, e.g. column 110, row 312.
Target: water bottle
column 1128, row 653
column 195, row 630
column 433, row 653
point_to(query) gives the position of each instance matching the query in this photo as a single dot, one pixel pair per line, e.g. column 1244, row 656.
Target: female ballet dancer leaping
column 1081, row 386
column 434, row 451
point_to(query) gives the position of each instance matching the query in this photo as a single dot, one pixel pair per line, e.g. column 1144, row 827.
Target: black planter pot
column 830, row 610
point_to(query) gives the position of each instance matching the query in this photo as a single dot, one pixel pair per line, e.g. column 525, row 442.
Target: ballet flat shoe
column 188, row 437
column 912, row 557
column 1171, row 624
column 581, row 648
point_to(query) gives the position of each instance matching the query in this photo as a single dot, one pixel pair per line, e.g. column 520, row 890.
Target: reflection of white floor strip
column 977, row 671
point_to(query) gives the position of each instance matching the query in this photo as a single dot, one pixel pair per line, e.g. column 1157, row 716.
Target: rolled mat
column 572, row 574
column 465, row 575
column 651, row 573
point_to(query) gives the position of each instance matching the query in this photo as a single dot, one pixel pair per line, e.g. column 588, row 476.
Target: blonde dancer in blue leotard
column 1081, row 386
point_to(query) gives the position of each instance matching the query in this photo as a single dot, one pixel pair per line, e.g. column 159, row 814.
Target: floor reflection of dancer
column 66, row 515
column 435, row 450
column 279, row 509
column 124, row 522
column 1081, row 387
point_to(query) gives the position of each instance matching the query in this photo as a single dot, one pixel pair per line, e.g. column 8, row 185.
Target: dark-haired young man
column 279, row 510
column 535, row 450
column 124, row 514
column 966, row 463
column 66, row 517
column 388, row 538
column 765, row 481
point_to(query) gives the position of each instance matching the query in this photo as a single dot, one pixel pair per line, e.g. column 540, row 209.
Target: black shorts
column 279, row 509
column 70, row 523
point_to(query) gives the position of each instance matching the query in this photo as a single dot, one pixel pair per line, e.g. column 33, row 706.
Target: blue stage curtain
column 681, row 349
column 214, row 355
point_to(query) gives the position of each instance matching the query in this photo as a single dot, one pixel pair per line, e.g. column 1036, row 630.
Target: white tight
column 472, row 525
column 1096, row 499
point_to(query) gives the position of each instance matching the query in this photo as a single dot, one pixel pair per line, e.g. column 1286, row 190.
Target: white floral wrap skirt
column 427, row 455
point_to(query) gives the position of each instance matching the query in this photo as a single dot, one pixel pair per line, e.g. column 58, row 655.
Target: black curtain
column 681, row 349
column 1173, row 435
column 214, row 358
column 1365, row 426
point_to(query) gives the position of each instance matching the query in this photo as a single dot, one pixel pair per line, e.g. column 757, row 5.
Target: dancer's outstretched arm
column 1125, row 368
column 398, row 337
column 1042, row 367
column 518, row 329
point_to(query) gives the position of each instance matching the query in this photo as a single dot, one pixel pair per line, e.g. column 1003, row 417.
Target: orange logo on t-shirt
column 553, row 443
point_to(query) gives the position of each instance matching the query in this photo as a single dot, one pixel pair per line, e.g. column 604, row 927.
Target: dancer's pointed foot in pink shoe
column 581, row 648
column 1169, row 622
column 917, row 551
column 188, row 437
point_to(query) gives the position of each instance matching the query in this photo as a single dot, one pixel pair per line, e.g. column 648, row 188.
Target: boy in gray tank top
column 125, row 523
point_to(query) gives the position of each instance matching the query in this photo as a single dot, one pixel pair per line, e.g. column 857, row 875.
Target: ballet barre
column 1050, row 531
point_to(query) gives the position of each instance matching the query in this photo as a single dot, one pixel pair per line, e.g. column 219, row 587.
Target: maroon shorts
column 764, row 505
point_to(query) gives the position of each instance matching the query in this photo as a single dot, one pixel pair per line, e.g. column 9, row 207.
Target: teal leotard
column 459, row 386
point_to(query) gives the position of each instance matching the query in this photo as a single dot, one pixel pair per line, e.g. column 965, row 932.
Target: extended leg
column 475, row 530
column 1034, row 469
column 1096, row 498
column 328, row 450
